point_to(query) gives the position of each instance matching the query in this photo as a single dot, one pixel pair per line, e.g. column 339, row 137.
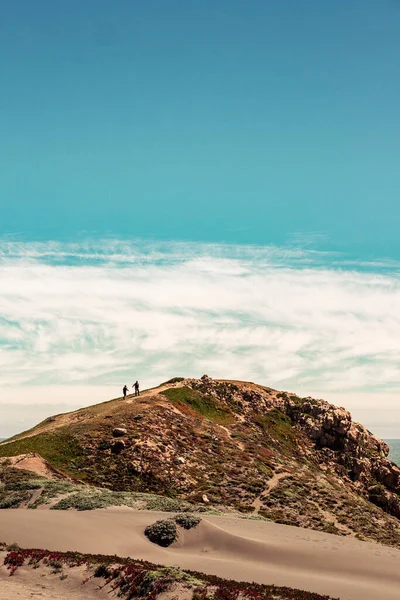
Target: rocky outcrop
column 341, row 443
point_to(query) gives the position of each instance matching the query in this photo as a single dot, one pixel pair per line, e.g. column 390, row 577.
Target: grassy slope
column 202, row 404
column 60, row 448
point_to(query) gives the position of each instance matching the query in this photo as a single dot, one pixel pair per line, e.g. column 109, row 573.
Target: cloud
column 104, row 312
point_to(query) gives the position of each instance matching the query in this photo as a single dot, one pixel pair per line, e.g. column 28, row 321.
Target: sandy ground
column 41, row 584
column 229, row 547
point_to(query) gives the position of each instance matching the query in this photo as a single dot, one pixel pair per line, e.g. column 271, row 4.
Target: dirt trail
column 94, row 411
column 272, row 483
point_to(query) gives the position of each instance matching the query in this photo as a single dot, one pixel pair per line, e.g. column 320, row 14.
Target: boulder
column 117, row 446
column 119, row 432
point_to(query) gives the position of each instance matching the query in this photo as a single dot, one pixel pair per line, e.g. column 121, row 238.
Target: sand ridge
column 232, row 548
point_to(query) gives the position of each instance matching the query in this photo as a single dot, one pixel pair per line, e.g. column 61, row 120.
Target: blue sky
column 199, row 120
column 192, row 186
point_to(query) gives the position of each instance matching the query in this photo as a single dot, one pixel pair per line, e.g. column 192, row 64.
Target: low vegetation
column 60, row 448
column 134, row 579
column 203, row 404
column 163, row 532
column 187, row 520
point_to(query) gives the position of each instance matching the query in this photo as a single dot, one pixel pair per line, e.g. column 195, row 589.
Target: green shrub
column 56, row 566
column 187, row 520
column 23, row 485
column 103, row 571
column 80, row 502
column 12, row 499
column 164, row 532
column 87, row 499
column 13, row 547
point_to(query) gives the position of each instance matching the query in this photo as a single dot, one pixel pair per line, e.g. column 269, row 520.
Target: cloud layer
column 108, row 312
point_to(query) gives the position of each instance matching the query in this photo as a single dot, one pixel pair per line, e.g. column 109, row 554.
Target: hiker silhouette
column 136, row 386
column 124, row 390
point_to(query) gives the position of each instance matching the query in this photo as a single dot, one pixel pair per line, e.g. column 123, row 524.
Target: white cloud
column 103, row 313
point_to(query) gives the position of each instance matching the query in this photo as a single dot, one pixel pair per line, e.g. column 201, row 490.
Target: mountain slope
column 232, row 444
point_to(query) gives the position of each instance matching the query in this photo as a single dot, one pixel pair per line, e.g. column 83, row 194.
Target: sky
column 199, row 186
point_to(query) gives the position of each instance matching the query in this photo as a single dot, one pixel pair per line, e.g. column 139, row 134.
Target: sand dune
column 229, row 547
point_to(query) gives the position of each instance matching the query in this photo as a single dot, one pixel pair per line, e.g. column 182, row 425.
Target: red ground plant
column 137, row 579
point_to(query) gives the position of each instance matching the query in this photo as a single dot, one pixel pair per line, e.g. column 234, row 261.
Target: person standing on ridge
column 136, row 386
column 125, row 389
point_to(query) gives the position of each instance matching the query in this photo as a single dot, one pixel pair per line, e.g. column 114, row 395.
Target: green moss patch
column 279, row 428
column 203, row 404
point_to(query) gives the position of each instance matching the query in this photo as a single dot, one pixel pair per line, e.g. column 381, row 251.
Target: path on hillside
column 230, row 547
column 272, row 484
column 75, row 416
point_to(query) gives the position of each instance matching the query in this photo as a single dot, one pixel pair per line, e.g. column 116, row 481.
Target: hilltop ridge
column 229, row 445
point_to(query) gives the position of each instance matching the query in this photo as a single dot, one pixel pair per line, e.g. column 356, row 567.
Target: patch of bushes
column 90, row 500
column 163, row 532
column 187, row 520
column 165, row 504
column 80, row 501
column 51, row 489
column 174, row 380
column 56, row 566
column 10, row 475
column 23, row 485
column 12, row 499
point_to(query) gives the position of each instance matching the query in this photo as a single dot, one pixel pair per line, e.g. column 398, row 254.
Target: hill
column 221, row 446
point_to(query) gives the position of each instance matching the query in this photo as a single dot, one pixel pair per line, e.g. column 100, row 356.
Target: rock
column 357, row 468
column 118, row 446
column 180, row 460
column 119, row 432
column 387, row 473
column 387, row 500
column 205, row 499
